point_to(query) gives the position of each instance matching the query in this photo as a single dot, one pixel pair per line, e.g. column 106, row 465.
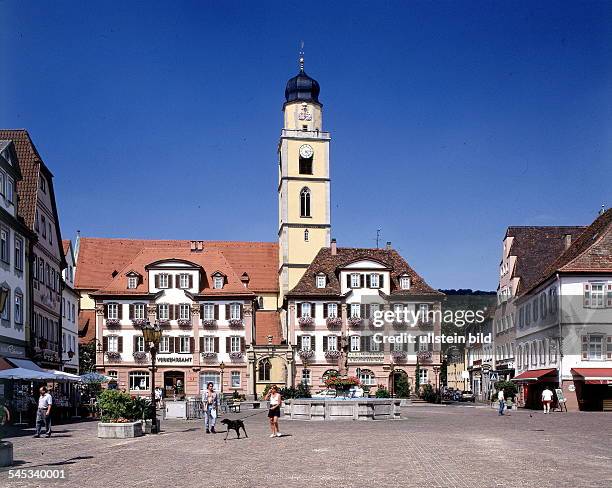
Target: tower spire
column 301, row 56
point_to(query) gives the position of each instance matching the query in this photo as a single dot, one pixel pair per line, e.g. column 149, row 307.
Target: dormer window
column 132, row 282
column 405, row 282
column 184, row 281
column 162, row 281
column 374, row 280
column 321, row 281
column 218, row 282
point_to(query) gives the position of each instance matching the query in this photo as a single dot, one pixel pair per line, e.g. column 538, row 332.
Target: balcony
column 366, row 357
column 305, row 134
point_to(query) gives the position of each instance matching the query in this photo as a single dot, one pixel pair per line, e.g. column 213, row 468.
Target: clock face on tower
column 306, row 151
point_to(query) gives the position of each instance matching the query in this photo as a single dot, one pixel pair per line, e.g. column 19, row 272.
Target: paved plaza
column 433, row 446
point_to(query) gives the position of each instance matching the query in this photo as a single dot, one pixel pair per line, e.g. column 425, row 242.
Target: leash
column 252, row 415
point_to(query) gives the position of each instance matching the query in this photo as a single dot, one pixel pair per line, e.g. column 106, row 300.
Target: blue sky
column 450, row 121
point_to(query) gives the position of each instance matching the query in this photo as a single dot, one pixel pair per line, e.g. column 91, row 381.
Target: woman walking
column 211, row 403
column 275, row 399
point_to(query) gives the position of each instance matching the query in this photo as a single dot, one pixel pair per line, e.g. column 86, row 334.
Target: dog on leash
column 235, row 425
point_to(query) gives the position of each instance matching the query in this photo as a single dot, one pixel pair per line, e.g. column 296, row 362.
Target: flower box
column 332, row 354
column 163, row 323
column 209, row 323
column 333, row 322
column 113, row 322
column 209, row 355
column 400, row 324
column 424, row 355
column 355, row 321
column 306, row 353
column 184, row 322
column 235, row 322
column 399, row 354
column 113, row 355
column 139, row 322
column 236, row 355
column 342, row 383
column 139, row 356
column 119, row 430
column 306, row 321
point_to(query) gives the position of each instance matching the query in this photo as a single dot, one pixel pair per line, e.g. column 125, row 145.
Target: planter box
column 6, row 453
column 119, row 431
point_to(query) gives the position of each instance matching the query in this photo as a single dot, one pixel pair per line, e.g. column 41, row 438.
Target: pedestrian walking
column 547, row 396
column 502, row 401
column 210, row 399
column 43, row 414
column 275, row 399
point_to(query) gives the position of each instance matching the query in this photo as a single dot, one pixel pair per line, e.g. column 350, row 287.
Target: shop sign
column 174, row 359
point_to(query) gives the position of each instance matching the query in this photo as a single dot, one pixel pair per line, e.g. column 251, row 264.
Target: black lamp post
column 222, row 368
column 152, row 335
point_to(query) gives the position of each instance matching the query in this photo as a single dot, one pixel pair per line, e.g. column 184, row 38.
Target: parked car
column 468, row 396
column 327, row 393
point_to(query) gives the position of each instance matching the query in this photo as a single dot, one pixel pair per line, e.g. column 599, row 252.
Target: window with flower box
column 355, row 343
column 356, row 310
column 306, row 343
column 113, row 311
column 208, row 311
column 235, row 311
column 184, row 311
column 112, row 343
column 306, row 309
column 139, row 311
column 332, row 310
column 163, row 311
column 208, row 344
column 332, row 343
column 235, row 344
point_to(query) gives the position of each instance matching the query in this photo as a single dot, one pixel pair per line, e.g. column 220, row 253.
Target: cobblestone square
column 432, row 446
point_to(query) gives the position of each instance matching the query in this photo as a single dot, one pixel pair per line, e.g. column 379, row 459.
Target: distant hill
column 467, row 291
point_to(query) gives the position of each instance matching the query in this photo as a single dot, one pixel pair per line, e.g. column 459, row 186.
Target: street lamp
column 152, row 335
column 222, row 367
column 436, row 371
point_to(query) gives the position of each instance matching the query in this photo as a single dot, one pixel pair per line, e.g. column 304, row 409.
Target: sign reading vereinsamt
column 174, row 359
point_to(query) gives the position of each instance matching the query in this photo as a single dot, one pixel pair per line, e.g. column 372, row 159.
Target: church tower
column 304, row 183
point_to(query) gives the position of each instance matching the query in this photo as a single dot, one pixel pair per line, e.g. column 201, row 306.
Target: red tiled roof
column 267, row 323
column 329, row 264
column 210, row 260
column 536, row 247
column 99, row 257
column 591, row 251
column 31, row 165
column 87, row 326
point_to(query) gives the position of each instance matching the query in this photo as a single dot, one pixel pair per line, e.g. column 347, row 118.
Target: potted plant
column 118, row 414
column 6, row 447
column 342, row 384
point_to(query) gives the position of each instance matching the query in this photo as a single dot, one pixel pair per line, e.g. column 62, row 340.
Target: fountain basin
column 342, row 409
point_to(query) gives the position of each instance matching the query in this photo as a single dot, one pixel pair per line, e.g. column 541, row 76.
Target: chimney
column 567, row 239
column 388, row 246
column 333, row 247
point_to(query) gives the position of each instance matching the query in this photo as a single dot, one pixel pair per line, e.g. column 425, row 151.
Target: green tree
column 402, row 387
column 509, row 387
column 417, row 377
column 87, row 357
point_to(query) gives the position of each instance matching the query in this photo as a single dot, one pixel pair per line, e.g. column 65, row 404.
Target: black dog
column 234, row 424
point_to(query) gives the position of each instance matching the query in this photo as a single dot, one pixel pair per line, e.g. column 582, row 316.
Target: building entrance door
column 174, row 384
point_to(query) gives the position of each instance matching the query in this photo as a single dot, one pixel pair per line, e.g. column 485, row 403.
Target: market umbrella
column 94, row 378
column 25, row 374
column 63, row 375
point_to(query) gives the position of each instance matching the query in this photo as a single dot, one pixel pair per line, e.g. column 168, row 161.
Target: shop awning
column 63, row 375
column 535, row 374
column 593, row 376
column 26, row 364
column 25, row 374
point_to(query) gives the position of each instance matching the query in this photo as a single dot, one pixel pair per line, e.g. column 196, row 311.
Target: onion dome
column 302, row 88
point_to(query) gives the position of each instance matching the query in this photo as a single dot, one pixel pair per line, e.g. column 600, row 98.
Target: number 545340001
column 51, row 474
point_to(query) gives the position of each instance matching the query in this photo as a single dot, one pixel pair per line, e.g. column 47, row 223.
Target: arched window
column 367, row 377
column 305, row 202
column 264, row 369
column 306, row 237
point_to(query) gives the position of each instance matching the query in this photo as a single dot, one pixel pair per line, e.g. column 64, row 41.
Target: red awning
column 593, row 376
column 535, row 374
